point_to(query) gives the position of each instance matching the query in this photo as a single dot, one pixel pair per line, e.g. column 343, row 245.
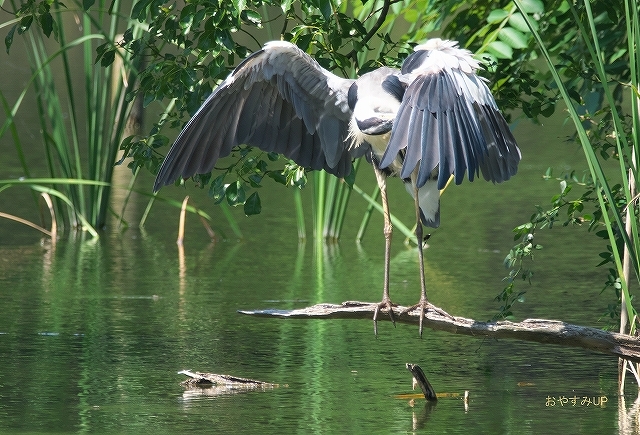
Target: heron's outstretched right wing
column 448, row 122
column 278, row 99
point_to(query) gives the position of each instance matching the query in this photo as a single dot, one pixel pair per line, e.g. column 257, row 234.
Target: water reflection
column 629, row 418
column 214, row 391
column 420, row 417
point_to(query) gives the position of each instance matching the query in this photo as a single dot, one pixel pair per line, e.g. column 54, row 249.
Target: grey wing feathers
column 278, row 99
column 448, row 124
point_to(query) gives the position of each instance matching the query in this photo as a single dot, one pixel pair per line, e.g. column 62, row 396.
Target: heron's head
column 374, row 99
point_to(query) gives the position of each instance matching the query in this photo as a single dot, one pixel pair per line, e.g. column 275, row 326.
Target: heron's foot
column 424, row 305
column 384, row 304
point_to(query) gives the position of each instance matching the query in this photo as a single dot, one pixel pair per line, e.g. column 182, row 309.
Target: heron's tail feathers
column 429, row 200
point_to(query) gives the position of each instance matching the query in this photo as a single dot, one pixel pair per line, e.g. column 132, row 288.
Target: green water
column 93, row 333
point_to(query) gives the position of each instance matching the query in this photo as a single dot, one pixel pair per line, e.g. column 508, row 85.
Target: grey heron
column 432, row 120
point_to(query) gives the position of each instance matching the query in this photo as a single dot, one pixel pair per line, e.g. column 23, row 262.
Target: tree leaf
column 286, row 5
column 518, row 22
column 548, row 110
column 8, row 40
column 497, row 15
column 278, row 177
column 411, row 15
column 108, row 57
column 46, row 22
column 239, row 5
column 139, row 10
column 325, row 8
column 235, row 194
column 186, row 17
column 252, row 205
column 513, row 37
column 253, row 17
column 500, row 50
column 532, row 6
column 216, row 191
column 304, row 41
column 25, row 23
column 100, row 50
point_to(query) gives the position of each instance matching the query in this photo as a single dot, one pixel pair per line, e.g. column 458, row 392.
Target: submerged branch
column 537, row 330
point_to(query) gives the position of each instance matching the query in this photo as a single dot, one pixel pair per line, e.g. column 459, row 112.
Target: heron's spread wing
column 448, row 122
column 278, row 99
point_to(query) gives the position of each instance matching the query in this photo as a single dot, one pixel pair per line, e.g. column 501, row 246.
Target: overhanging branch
column 537, row 330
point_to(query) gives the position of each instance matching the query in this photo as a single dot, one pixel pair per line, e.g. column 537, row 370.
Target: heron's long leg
column 424, row 303
column 388, row 230
column 423, row 285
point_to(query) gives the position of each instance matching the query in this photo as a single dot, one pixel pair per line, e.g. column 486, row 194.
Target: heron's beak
column 375, row 126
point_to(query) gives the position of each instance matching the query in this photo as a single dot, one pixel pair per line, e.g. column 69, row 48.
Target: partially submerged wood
column 537, row 330
column 224, row 382
column 419, row 378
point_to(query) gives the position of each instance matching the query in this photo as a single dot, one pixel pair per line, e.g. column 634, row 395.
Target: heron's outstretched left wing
column 448, row 122
column 278, row 99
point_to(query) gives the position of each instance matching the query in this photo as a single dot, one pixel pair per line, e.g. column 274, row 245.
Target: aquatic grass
column 299, row 209
column 41, row 185
column 80, row 138
column 331, row 195
column 620, row 217
column 373, row 200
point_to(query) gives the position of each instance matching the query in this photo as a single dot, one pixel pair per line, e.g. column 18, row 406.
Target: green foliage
column 595, row 82
column 30, row 12
column 515, row 261
column 592, row 86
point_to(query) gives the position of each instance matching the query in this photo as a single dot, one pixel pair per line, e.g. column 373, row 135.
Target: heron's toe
column 385, row 304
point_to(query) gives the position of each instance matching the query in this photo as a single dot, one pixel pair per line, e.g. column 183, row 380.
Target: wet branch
column 537, row 330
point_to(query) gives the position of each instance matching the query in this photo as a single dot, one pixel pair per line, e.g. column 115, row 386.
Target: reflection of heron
column 430, row 121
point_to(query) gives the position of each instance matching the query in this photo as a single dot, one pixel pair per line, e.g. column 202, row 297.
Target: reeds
column 81, row 124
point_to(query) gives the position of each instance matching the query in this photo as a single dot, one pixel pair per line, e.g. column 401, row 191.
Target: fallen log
column 536, row 330
column 227, row 381
column 213, row 385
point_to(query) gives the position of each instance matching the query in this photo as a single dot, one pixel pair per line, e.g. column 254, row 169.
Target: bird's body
column 432, row 120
